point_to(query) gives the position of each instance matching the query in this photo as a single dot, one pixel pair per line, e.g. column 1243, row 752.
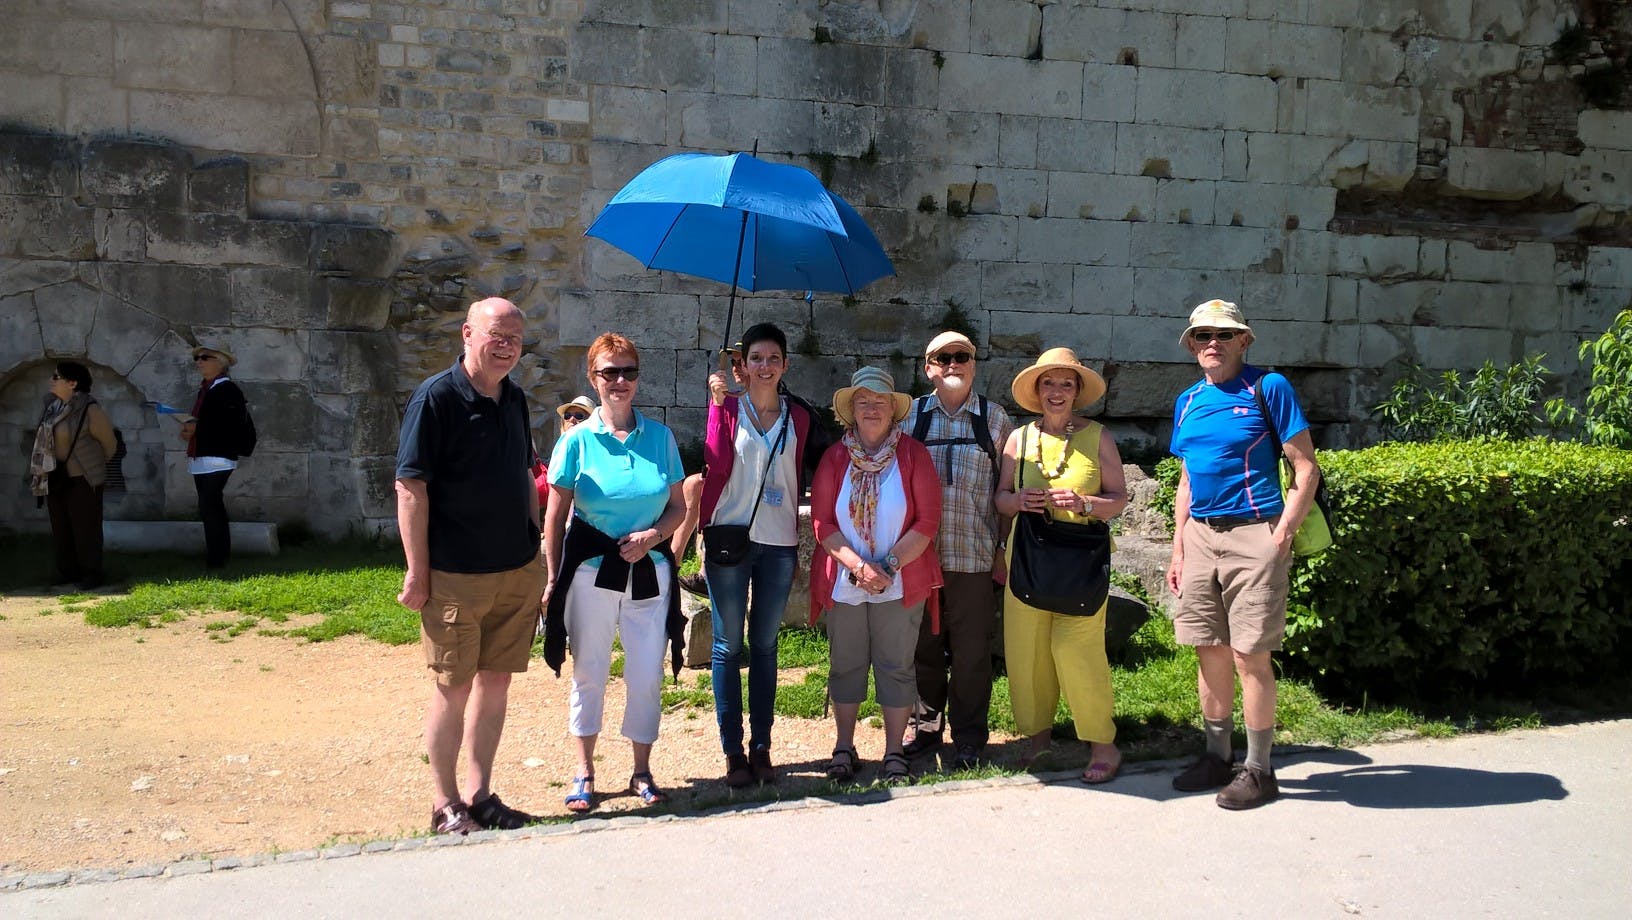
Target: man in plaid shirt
column 964, row 433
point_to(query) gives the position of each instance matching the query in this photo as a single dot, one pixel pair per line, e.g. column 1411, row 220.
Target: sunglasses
column 197, row 358
column 575, row 416
column 609, row 374
column 1203, row 336
column 58, row 377
column 947, row 359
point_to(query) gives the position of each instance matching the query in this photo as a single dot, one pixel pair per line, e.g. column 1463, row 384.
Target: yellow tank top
column 1081, row 474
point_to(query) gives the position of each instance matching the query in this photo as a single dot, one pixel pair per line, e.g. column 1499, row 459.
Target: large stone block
column 171, row 56
column 1609, row 266
column 875, row 330
column 1143, row 389
column 220, row 186
column 1377, row 113
column 976, row 83
column 32, row 99
column 986, row 237
column 1286, row 159
column 285, row 127
column 58, row 43
column 68, row 313
column 267, row 63
column 376, row 420
column 288, row 298
column 1520, row 263
column 1169, row 153
column 217, row 239
column 355, row 304
column 178, row 293
column 645, row 318
column 1372, row 58
column 624, row 113
column 1495, row 174
column 1070, row 145
column 1375, row 257
column 1085, row 242
column 1185, row 201
column 702, row 15
column 707, row 121
column 1601, row 176
column 340, row 249
column 1592, row 312
column 1283, row 49
column 832, row 72
column 347, row 71
column 1190, row 246
column 37, row 165
column 45, row 228
column 1101, row 197
column 1462, row 349
column 1034, row 286
column 285, row 417
column 1600, row 128
column 1173, row 292
column 263, row 354
column 20, row 337
column 1109, row 36
column 1200, row 43
column 122, row 334
column 1101, row 289
column 958, row 137
column 1280, row 296
column 20, row 276
column 1194, row 99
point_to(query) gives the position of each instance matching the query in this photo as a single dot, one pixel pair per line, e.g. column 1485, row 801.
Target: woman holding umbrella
column 751, row 489
column 618, row 475
column 875, row 504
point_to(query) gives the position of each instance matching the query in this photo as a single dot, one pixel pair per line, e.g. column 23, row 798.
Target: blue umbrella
column 740, row 220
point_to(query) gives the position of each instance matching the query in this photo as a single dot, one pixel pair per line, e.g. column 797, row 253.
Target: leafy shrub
column 1467, row 564
column 1492, row 404
column 1166, row 474
column 1607, row 421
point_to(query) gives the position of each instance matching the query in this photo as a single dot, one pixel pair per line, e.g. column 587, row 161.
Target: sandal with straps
column 842, row 767
column 643, row 785
column 896, row 769
column 582, row 796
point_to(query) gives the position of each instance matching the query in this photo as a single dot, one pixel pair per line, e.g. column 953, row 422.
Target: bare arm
column 555, row 529
column 1181, row 517
column 413, row 523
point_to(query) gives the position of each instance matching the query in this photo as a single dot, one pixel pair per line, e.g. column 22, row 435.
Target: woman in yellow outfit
column 1071, row 471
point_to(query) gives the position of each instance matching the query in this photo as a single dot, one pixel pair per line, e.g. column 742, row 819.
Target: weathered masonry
column 325, row 185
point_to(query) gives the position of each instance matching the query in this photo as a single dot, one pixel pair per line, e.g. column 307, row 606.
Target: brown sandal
column 842, row 768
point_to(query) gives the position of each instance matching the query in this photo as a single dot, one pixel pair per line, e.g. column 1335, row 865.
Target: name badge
column 773, row 496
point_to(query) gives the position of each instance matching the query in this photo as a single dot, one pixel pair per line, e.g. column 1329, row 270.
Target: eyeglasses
column 197, row 358
column 1203, row 336
column 609, row 374
column 58, row 377
column 947, row 359
column 575, row 416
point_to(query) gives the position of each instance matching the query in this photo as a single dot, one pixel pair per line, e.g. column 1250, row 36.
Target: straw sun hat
column 1090, row 386
column 225, row 356
column 577, row 402
column 869, row 378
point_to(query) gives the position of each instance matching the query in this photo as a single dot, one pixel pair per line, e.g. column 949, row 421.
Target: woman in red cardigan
column 875, row 505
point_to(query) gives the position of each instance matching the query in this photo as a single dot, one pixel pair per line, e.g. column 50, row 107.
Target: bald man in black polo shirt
column 468, row 513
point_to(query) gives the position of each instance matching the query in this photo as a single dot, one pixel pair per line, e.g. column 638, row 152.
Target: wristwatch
column 891, row 565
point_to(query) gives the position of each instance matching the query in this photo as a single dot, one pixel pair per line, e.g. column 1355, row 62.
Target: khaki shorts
column 480, row 622
column 883, row 636
column 1234, row 588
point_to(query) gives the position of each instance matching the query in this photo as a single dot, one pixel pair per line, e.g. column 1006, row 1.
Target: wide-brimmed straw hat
column 1090, row 386
column 1215, row 314
column 577, row 402
column 875, row 379
column 225, row 356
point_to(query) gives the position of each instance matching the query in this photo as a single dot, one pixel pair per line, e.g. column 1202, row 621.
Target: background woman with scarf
column 67, row 468
column 875, row 505
column 216, row 436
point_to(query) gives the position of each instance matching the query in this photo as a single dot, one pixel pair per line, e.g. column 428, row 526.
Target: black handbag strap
column 781, row 438
column 1263, row 407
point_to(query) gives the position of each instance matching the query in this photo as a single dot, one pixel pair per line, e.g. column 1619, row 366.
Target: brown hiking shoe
column 760, row 760
column 738, row 775
column 1209, row 771
column 453, row 818
column 1251, row 788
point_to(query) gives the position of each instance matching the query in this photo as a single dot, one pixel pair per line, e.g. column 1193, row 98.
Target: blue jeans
column 770, row 570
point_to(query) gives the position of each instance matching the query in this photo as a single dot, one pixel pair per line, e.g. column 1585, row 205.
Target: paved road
column 1534, row 823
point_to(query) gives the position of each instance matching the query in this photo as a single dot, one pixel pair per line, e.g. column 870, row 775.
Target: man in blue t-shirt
column 1232, row 543
column 467, row 510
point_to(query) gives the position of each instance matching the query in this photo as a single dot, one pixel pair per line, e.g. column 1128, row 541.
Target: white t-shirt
column 777, row 523
column 892, row 517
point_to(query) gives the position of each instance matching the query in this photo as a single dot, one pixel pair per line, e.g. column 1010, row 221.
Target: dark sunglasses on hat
column 949, row 358
column 1204, row 336
column 575, row 416
column 609, row 374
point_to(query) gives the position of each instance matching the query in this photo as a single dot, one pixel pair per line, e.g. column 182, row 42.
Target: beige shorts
column 1234, row 588
column 882, row 636
column 480, row 622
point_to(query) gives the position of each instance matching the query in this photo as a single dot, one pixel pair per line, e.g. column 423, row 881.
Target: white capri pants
column 593, row 615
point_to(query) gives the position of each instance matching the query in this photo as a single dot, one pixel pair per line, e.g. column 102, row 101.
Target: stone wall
column 1376, row 182
column 124, row 255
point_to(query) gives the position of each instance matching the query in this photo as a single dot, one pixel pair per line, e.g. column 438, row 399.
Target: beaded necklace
column 1065, row 452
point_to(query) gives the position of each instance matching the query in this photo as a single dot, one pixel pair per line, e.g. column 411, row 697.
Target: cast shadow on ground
column 1364, row 784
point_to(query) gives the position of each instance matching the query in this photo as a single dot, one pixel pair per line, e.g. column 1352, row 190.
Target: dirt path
column 133, row 746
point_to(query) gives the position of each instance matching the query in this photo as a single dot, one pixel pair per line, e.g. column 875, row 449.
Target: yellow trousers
column 1048, row 653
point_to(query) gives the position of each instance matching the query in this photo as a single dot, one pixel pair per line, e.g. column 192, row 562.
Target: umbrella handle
column 733, row 386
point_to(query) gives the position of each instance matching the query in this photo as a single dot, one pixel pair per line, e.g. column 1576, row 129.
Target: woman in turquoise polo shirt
column 619, row 476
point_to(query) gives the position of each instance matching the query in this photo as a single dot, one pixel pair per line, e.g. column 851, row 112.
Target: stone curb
column 29, row 881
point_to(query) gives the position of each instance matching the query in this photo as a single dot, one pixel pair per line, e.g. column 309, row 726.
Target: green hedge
column 1474, row 564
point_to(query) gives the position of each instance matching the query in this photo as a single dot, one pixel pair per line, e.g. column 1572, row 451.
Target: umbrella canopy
column 742, row 221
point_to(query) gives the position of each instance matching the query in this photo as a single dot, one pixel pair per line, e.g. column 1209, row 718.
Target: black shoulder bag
column 727, row 544
column 1058, row 566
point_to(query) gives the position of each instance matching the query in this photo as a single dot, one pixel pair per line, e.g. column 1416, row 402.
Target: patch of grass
column 800, row 647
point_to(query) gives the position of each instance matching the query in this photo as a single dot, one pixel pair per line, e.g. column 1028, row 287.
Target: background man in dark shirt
column 468, row 513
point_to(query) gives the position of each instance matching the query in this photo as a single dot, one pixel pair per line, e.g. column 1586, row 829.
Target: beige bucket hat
column 875, row 379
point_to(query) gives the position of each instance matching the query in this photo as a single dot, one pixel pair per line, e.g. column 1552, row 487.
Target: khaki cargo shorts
column 1234, row 588
column 480, row 622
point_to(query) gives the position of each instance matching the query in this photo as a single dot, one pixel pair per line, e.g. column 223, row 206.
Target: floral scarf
column 42, row 459
column 864, row 480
